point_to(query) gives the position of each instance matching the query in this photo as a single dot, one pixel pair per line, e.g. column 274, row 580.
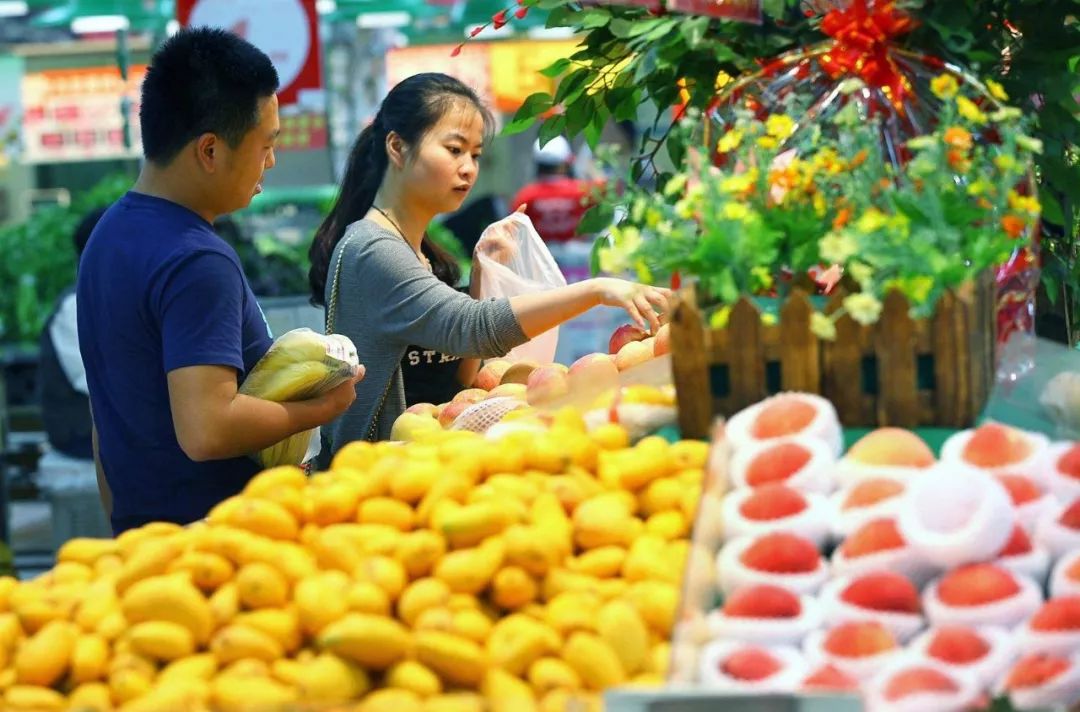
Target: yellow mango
column 411, row 675
column 373, row 641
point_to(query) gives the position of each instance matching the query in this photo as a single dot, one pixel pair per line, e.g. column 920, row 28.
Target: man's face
column 244, row 165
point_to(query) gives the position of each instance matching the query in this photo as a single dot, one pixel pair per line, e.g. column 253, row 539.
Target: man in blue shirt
column 168, row 326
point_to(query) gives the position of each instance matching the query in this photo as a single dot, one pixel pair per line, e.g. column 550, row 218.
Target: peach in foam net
column 999, row 449
column 1063, row 470
column 867, row 499
column 786, row 415
column 914, row 685
column 746, row 667
column 885, row 452
column 800, row 462
column 1065, row 578
column 876, row 545
column 772, row 508
column 985, row 652
column 1043, row 681
column 878, row 596
column 1054, row 628
column 1059, row 529
column 858, row 648
column 780, row 558
column 953, row 515
column 981, row 594
column 1023, row 557
column 766, row 614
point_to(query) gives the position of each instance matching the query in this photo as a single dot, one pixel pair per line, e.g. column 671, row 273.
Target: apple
column 633, row 353
column 547, row 382
column 491, row 373
column 662, row 345
column 625, row 334
column 508, row 390
column 595, row 367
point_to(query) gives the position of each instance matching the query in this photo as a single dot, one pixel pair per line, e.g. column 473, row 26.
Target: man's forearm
column 251, row 424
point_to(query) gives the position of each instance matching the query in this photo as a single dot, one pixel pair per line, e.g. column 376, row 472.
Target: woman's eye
column 476, row 157
column 455, row 150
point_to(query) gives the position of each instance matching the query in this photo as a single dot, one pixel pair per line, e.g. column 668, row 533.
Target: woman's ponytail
column 363, row 176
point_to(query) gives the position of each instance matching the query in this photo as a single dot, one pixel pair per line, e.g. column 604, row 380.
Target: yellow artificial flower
column 1006, row 114
column 996, row 90
column 652, row 217
column 740, row 183
column 769, row 319
column 969, row 110
column 920, row 142
column 729, row 141
column 916, row 289
column 768, row 142
column 763, row 276
column 675, row 184
column 735, row 211
column 862, row 273
column 822, row 327
column 1024, row 203
column 625, row 241
column 685, row 208
column 980, row 187
column 719, row 318
column 820, row 207
column 779, row 126
column 872, row 220
column 837, row 247
column 863, row 308
column 944, row 86
column 1005, row 163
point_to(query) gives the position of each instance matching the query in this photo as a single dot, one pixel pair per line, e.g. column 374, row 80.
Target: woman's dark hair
column 411, row 109
column 202, row 80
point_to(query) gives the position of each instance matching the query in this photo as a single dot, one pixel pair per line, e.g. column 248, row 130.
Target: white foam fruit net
column 481, row 416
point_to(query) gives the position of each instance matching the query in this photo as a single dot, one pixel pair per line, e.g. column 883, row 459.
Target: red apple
column 624, row 335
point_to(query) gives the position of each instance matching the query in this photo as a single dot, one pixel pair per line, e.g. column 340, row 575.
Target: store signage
column 11, row 69
column 286, row 30
column 502, row 73
column 74, row 114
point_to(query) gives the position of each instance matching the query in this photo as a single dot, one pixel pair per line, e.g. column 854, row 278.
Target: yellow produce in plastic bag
column 300, row 365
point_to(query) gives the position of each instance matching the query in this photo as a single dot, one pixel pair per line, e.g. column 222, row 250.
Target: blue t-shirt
column 158, row 290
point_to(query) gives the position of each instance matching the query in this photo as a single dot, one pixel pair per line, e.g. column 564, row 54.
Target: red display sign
column 286, row 30
column 741, row 10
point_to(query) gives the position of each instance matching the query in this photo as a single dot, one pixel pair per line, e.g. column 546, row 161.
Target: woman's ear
column 395, row 149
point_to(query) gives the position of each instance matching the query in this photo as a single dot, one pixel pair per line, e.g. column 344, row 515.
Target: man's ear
column 206, row 153
column 395, row 149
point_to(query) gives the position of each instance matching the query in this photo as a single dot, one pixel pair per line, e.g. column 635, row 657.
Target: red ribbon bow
column 862, row 45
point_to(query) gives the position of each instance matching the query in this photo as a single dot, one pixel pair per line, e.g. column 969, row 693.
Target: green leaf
column 596, row 219
column 550, row 4
column 518, row 124
column 595, row 127
column 598, row 246
column 555, row 68
column 551, row 128
column 578, row 115
column 595, row 18
column 693, row 31
column 572, row 84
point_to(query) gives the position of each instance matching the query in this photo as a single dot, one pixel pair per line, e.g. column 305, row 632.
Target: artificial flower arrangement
column 779, row 198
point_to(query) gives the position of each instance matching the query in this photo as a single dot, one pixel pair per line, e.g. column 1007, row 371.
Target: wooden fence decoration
column 900, row 371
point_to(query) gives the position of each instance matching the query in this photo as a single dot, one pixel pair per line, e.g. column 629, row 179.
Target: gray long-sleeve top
column 388, row 300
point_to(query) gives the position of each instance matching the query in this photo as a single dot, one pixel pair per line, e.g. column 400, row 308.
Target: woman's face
column 441, row 171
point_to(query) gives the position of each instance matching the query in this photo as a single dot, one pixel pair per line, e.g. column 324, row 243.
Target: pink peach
column 451, row 411
column 634, row 353
column 624, row 335
column 547, row 382
column 470, row 396
column 508, row 390
column 424, row 409
column 491, row 373
column 662, row 344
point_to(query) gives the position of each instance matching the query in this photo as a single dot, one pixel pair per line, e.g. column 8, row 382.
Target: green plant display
column 630, row 57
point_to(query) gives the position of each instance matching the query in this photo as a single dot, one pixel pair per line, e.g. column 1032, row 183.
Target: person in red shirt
column 556, row 201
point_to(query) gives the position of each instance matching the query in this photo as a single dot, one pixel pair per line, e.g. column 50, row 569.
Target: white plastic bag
column 300, row 364
column 526, row 267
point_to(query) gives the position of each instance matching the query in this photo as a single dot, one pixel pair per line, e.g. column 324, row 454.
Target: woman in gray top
column 420, row 157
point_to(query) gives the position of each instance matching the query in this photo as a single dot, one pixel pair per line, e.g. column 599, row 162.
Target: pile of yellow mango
column 454, row 573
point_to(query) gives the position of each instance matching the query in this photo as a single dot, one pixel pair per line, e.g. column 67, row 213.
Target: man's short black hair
column 202, row 80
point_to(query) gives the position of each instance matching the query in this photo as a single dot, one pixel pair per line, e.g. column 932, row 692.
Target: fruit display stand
column 451, row 573
column 886, row 575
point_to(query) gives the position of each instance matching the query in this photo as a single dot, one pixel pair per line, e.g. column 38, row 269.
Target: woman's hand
column 643, row 303
column 497, row 245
